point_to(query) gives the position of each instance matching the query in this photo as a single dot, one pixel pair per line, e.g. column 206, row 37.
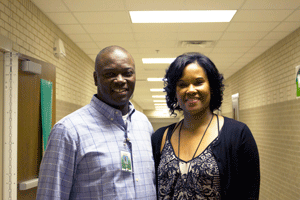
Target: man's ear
column 95, row 78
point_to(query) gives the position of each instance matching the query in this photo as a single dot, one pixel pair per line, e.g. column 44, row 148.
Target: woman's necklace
column 197, row 146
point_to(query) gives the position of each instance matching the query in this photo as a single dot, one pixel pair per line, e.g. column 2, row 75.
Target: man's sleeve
column 57, row 167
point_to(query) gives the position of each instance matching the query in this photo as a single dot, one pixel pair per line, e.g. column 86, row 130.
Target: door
column 30, row 123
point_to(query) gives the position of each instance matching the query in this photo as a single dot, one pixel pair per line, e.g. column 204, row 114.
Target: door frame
column 10, row 126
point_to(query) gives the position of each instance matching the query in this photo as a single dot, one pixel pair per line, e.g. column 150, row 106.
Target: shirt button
column 111, row 119
column 117, row 112
column 137, row 180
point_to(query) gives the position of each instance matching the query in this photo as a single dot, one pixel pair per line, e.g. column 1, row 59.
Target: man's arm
column 57, row 167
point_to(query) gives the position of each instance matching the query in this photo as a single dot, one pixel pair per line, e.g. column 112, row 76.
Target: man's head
column 114, row 77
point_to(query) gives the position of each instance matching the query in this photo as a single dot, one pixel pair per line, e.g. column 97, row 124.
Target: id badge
column 126, row 164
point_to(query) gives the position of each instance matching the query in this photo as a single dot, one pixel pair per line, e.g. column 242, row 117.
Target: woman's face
column 193, row 90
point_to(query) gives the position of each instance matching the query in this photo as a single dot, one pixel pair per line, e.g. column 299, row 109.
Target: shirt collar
column 109, row 111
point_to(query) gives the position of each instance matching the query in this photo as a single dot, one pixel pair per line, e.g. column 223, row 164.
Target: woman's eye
column 181, row 84
column 198, row 82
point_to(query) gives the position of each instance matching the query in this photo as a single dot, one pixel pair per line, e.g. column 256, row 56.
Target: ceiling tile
column 236, row 43
column 182, row 50
column 243, row 35
column 155, row 27
column 87, row 45
column 158, row 51
column 202, row 27
column 157, row 36
column 166, row 44
column 62, row 18
column 94, row 5
column 225, row 57
column 261, row 15
column 134, row 5
column 90, row 51
column 124, row 44
column 230, row 50
column 276, row 35
column 213, row 5
column 294, row 17
column 287, row 26
column 80, row 38
column 251, row 26
column 52, row 6
column 103, row 17
column 183, row 5
column 72, row 29
column 199, row 36
column 271, row 4
column 108, row 28
column 112, row 37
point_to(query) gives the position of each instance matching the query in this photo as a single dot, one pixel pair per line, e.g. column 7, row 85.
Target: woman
column 204, row 156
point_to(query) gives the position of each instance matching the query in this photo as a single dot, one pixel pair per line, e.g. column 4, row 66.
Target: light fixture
column 158, row 96
column 154, row 79
column 182, row 16
column 162, row 109
column 159, row 101
column 160, row 104
column 157, row 90
column 157, row 60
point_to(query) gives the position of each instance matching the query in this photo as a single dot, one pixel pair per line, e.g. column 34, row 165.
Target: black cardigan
column 237, row 158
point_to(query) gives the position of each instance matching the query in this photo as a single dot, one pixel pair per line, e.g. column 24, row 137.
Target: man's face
column 115, row 79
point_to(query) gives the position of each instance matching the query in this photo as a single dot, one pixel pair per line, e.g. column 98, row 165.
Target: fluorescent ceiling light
column 163, row 109
column 159, row 96
column 160, row 104
column 181, row 16
column 159, row 101
column 157, row 60
column 157, row 90
column 154, row 79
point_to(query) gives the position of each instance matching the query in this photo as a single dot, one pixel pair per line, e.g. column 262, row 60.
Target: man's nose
column 120, row 79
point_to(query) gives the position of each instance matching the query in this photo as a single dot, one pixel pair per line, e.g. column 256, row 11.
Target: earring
column 175, row 105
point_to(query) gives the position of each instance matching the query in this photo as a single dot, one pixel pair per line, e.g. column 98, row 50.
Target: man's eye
column 109, row 75
column 128, row 74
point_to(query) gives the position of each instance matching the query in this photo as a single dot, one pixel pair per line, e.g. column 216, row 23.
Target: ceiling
column 95, row 24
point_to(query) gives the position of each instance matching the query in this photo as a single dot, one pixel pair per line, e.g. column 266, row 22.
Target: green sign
column 46, row 110
column 298, row 81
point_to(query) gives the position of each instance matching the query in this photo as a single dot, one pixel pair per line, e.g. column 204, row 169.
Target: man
column 103, row 150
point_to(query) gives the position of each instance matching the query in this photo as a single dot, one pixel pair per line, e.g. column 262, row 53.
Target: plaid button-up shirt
column 83, row 156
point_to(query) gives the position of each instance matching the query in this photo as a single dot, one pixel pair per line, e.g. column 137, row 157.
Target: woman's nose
column 191, row 89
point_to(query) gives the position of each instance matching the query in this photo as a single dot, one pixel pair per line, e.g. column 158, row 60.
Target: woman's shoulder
column 232, row 123
column 234, row 128
column 159, row 132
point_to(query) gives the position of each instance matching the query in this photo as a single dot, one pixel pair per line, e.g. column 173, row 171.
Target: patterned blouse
column 195, row 179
